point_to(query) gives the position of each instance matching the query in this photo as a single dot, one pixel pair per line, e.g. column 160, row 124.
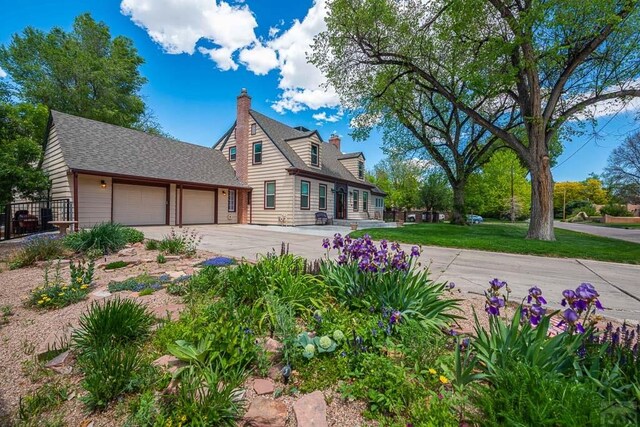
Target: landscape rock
column 168, row 311
column 175, row 274
column 127, row 252
column 57, row 339
column 172, row 257
column 272, row 346
column 138, row 245
column 62, row 363
column 265, row 413
column 311, row 410
column 169, row 363
column 275, row 372
column 263, row 386
column 100, row 294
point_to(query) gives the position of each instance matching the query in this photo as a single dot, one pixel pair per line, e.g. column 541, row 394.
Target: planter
column 354, row 226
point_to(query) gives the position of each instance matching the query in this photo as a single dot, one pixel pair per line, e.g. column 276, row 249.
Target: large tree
column 400, row 179
column 551, row 59
column 623, row 170
column 84, row 72
column 435, row 191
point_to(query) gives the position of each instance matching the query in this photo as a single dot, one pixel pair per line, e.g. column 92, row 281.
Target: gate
column 24, row 218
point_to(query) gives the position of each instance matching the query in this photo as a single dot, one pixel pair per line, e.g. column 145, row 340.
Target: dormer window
column 315, row 155
column 361, row 169
column 232, row 154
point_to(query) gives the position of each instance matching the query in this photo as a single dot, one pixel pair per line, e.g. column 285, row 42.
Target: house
column 293, row 173
column 260, row 172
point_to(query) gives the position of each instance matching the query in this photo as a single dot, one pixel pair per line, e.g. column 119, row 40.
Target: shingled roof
column 90, row 145
column 330, row 165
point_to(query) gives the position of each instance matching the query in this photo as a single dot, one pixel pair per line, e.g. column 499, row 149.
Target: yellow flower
column 432, row 371
column 40, row 302
column 64, row 287
column 43, row 295
column 184, row 418
column 443, row 379
column 79, row 280
column 84, row 286
column 61, row 294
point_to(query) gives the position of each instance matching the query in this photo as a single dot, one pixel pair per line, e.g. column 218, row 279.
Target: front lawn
column 510, row 238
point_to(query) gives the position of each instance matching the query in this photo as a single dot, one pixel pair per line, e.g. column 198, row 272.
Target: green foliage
column 526, row 395
column 488, row 191
column 131, row 235
column 435, row 192
column 316, row 345
column 107, row 237
column 21, row 129
column 161, row 259
column 82, row 273
column 578, row 194
column 143, row 410
column 145, row 292
column 615, row 210
column 114, row 322
column 412, row 293
column 282, row 323
column 50, row 69
column 208, row 396
column 183, row 243
column 322, row 373
column 400, row 180
column 115, row 265
column 44, row 399
column 56, row 293
column 139, row 283
column 37, row 248
column 514, row 341
column 151, row 245
column 109, row 371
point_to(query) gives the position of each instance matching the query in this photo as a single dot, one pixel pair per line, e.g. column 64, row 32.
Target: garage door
column 198, row 207
column 139, row 204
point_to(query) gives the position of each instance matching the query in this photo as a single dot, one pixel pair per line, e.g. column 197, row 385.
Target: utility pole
column 513, row 202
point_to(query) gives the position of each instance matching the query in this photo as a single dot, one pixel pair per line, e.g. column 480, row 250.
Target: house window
column 232, row 154
column 315, row 157
column 270, row 195
column 304, row 194
column 361, row 169
column 232, row 201
column 322, row 197
column 356, row 196
column 257, row 153
column 365, row 201
column 379, row 202
column 253, row 129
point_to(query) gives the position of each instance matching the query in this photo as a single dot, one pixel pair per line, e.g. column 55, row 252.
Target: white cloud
column 3, row 73
column 259, row 59
column 178, row 25
column 322, row 117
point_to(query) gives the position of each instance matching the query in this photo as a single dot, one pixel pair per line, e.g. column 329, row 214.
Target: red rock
column 61, row 363
column 169, row 363
column 265, row 413
column 263, row 386
column 311, row 410
column 57, row 339
column 275, row 372
column 168, row 311
column 127, row 252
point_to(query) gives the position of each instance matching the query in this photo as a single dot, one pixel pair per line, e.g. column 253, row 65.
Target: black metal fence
column 24, row 218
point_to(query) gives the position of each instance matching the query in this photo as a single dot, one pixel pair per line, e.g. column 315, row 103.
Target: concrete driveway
column 470, row 270
column 630, row 235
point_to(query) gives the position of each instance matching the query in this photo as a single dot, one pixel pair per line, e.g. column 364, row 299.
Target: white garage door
column 198, row 207
column 139, row 204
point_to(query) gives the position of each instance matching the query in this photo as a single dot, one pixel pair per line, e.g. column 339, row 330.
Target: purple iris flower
column 493, row 305
column 497, row 284
column 535, row 294
column 415, row 251
column 396, row 317
column 325, row 243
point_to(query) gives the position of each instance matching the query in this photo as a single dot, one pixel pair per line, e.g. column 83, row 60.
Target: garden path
column 471, row 270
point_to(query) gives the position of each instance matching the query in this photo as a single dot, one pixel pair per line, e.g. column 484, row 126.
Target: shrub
column 526, row 395
column 613, row 209
column 56, row 293
column 185, row 243
column 161, row 259
column 151, row 245
column 37, row 248
column 109, row 371
column 131, row 235
column 107, row 237
column 116, row 265
column 115, row 322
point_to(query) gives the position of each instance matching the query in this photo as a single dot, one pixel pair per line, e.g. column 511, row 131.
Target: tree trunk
column 458, row 217
column 541, row 224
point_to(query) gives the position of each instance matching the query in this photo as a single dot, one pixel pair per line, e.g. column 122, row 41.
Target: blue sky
column 199, row 54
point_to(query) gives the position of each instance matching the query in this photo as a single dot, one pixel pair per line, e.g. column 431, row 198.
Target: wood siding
column 94, row 202
column 360, row 213
column 352, row 166
column 302, row 147
column 308, row 216
column 224, row 216
column 55, row 166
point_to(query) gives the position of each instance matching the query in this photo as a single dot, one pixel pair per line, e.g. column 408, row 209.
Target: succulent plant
column 324, row 344
column 309, row 351
column 338, row 335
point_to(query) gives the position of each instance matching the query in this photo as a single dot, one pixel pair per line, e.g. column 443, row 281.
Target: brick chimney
column 242, row 151
column 335, row 141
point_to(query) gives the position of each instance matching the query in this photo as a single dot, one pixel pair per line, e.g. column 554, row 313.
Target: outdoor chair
column 322, row 218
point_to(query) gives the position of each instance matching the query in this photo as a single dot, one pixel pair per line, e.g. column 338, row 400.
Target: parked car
column 411, row 218
column 475, row 219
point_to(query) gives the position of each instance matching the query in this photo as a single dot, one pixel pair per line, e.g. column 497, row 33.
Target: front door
column 341, row 203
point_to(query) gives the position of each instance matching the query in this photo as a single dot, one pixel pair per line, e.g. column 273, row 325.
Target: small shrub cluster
column 108, row 343
column 116, row 265
column 140, row 283
column 39, row 247
column 106, row 237
column 56, row 292
column 183, row 243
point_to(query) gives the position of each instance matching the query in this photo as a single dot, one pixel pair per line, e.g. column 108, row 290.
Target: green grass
column 510, row 238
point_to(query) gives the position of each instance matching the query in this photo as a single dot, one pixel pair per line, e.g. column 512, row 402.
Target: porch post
column 180, row 223
column 75, row 200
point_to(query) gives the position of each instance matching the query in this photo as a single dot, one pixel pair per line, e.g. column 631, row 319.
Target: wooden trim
column 180, row 224
column 250, row 203
column 215, row 206
column 328, row 178
column 158, row 180
column 356, row 199
column 75, row 199
column 168, row 209
column 365, row 206
column 235, row 203
column 112, row 200
column 274, row 194
column 175, row 202
column 253, row 153
column 317, row 164
column 134, row 182
column 235, row 155
column 308, row 207
column 325, row 197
